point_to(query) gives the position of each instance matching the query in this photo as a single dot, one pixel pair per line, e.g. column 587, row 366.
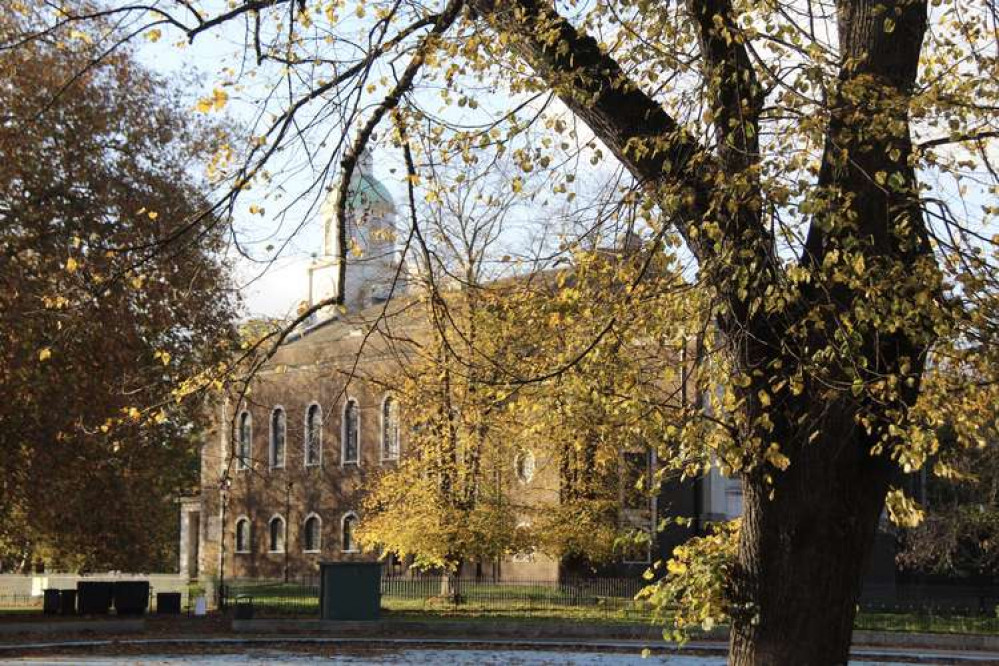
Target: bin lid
column 350, row 564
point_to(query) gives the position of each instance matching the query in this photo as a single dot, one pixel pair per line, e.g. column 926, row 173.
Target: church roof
column 365, row 193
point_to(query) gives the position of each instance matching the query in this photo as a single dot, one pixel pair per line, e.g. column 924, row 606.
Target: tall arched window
column 351, row 432
column 244, row 442
column 313, row 435
column 312, row 534
column 243, row 535
column 348, row 530
column 524, row 466
column 275, row 542
column 278, row 435
column 390, row 428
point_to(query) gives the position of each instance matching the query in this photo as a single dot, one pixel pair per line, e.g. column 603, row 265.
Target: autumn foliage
column 110, row 291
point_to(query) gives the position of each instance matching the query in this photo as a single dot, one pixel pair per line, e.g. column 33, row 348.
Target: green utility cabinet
column 350, row 590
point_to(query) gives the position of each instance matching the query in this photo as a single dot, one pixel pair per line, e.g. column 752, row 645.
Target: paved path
column 456, row 651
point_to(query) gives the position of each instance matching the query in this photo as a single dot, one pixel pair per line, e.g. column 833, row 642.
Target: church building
column 285, row 469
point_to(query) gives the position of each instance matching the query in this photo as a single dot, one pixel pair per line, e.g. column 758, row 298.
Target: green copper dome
column 367, row 193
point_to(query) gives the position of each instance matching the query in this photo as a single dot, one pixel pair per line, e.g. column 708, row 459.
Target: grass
column 511, row 602
column 490, row 602
column 486, row 601
column 941, row 623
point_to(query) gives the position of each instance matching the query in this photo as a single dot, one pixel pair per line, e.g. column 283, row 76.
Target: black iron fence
column 443, row 595
column 271, row 598
column 580, row 599
column 928, row 616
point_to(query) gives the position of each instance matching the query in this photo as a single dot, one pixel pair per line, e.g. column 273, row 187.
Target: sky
column 273, row 277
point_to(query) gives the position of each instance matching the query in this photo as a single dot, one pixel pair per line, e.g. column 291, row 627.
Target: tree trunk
column 808, row 531
column 804, row 551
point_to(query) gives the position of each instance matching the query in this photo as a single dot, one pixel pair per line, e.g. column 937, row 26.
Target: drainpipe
column 287, row 528
column 224, row 495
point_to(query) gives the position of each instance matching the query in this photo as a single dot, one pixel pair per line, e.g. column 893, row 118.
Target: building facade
column 284, row 471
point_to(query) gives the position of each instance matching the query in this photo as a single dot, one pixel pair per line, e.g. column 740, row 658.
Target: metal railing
column 928, row 616
column 582, row 598
column 574, row 599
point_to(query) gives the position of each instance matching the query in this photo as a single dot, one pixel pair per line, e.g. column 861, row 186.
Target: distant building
column 316, row 426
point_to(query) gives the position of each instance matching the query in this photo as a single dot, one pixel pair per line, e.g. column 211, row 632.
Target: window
column 526, row 553
column 244, row 441
column 313, row 435
column 637, row 480
column 637, row 547
column 390, row 429
column 243, row 535
column 312, row 534
column 351, row 432
column 276, row 535
column 348, row 529
column 524, row 466
column 278, row 434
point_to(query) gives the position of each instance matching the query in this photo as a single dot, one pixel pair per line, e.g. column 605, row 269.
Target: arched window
column 244, row 441
column 278, row 435
column 312, row 534
column 348, row 530
column 243, row 535
column 524, row 466
column 313, row 435
column 351, row 432
column 275, row 542
column 523, row 531
column 390, row 428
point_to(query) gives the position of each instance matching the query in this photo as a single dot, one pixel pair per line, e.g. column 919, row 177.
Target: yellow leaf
column 44, row 354
column 218, row 100
column 71, row 265
column 153, row 214
column 154, row 35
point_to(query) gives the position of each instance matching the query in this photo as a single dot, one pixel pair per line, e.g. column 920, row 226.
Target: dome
column 366, row 193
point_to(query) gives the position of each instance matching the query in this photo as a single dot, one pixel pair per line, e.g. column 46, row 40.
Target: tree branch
column 653, row 146
column 443, row 22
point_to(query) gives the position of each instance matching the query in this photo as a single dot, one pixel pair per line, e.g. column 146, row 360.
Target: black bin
column 50, row 601
column 243, row 608
column 131, row 597
column 168, row 603
column 67, row 602
column 93, row 597
column 350, row 590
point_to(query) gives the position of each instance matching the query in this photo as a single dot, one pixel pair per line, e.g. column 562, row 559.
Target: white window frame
column 284, row 534
column 343, row 433
column 243, row 462
column 343, row 523
column 523, row 455
column 305, row 423
column 305, row 532
column 398, row 431
column 235, row 535
column 272, row 461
